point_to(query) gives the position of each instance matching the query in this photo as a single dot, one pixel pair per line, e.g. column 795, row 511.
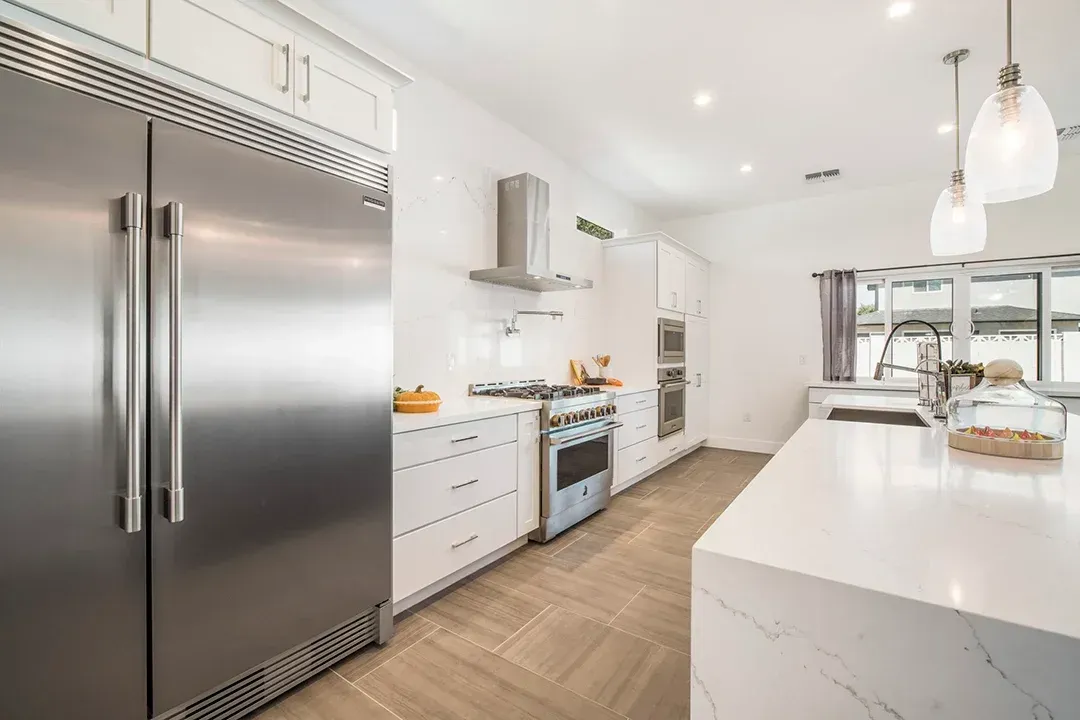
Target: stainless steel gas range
column 577, row 449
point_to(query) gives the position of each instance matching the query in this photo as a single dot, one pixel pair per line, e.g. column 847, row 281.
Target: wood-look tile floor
column 592, row 625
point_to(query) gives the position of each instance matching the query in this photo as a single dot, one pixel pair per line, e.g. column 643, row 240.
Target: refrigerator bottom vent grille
column 254, row 688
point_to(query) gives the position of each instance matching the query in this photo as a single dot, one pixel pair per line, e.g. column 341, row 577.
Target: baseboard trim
column 768, row 447
column 616, row 489
column 436, row 587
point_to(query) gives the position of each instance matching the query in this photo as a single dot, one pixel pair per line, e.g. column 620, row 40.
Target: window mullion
column 962, row 320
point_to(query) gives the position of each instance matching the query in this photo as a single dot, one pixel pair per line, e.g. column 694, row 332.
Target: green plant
column 866, row 309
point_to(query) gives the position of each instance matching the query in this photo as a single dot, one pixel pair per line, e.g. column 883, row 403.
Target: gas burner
column 533, row 390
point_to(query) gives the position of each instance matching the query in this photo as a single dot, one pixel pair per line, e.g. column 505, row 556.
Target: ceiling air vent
column 1070, row 132
column 822, row 176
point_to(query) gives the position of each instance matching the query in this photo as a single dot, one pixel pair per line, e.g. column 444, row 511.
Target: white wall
column 448, row 330
column 765, row 306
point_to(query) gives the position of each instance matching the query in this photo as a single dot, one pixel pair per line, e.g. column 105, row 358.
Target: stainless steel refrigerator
column 195, row 366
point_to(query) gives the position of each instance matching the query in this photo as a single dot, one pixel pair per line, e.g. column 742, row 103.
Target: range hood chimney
column 525, row 239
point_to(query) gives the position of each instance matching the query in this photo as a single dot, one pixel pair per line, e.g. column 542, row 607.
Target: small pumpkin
column 416, row 401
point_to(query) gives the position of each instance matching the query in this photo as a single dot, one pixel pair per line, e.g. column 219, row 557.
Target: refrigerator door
column 72, row 580
column 281, row 422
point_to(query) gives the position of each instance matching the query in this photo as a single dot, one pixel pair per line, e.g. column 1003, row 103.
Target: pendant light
column 1012, row 153
column 958, row 226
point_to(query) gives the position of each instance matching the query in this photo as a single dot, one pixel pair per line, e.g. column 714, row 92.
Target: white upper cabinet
column 670, row 278
column 120, row 21
column 697, row 373
column 697, row 287
column 340, row 96
column 228, row 44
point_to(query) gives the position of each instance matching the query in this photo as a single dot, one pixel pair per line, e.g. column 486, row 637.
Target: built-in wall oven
column 672, row 405
column 671, row 341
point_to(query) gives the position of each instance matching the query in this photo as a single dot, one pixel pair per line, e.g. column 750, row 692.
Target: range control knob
column 556, row 420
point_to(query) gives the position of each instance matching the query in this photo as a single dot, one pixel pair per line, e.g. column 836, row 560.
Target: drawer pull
column 641, row 427
column 464, row 542
column 673, row 449
column 639, row 402
column 457, row 440
column 642, row 458
column 464, row 484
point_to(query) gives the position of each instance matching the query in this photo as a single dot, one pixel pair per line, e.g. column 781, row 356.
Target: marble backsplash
column 448, row 330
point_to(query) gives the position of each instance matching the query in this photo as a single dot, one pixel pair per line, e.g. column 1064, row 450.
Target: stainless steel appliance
column 672, row 406
column 195, row 478
column 524, row 234
column 577, row 449
column 671, row 341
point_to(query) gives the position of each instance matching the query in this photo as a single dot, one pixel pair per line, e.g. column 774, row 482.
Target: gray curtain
column 838, row 324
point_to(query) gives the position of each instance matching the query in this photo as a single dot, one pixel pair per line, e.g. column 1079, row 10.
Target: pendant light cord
column 956, row 91
column 1008, row 32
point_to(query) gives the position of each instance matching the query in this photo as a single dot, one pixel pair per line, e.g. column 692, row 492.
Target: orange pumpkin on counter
column 416, row 401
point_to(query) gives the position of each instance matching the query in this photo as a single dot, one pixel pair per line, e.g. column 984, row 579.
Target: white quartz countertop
column 463, row 409
column 895, row 510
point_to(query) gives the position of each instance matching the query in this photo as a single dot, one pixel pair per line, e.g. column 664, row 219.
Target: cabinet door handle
column 288, row 67
column 306, row 97
column 455, row 546
column 465, row 484
column 464, row 439
column 699, row 307
column 674, row 298
column 174, row 492
column 641, row 459
column 641, row 427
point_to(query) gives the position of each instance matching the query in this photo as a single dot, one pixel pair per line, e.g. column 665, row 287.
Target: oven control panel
column 587, row 414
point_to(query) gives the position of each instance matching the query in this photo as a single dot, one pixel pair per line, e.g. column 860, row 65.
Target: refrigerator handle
column 174, row 492
column 131, row 501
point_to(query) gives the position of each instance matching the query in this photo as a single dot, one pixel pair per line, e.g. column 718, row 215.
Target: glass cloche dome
column 1003, row 416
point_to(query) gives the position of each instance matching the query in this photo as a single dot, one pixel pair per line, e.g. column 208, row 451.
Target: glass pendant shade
column 1012, row 152
column 958, row 226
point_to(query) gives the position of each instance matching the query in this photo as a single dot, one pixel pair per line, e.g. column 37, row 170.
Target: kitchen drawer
column 429, row 554
column 637, row 401
column 437, row 490
column 635, row 459
column 670, row 446
column 423, row 446
column 637, row 426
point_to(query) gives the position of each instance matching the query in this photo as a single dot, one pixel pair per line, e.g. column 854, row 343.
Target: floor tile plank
column 660, row 616
column 408, row 629
column 636, row 563
column 483, row 612
column 328, row 697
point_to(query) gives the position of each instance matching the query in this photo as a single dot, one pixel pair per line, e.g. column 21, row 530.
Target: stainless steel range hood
column 525, row 239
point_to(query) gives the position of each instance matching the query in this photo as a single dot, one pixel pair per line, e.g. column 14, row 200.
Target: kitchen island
column 870, row 571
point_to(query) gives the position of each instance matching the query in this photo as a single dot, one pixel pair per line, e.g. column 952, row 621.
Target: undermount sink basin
column 879, row 417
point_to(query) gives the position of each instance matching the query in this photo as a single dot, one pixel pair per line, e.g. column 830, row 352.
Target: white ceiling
column 800, row 85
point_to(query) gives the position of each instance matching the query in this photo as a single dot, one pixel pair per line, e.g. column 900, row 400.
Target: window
column 1023, row 312
column 1065, row 325
column 590, row 228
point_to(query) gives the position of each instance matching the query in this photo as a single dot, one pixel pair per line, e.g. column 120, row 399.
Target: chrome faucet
column 512, row 329
column 937, row 400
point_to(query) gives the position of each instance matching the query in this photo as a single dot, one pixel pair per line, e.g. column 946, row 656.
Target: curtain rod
column 961, row 264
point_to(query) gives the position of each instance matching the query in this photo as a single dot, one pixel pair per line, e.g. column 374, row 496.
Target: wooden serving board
column 1024, row 449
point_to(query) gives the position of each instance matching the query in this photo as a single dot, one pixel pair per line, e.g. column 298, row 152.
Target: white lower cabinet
column 528, row 472
column 227, row 43
column 670, row 446
column 426, row 493
column 429, row 554
column 634, row 460
column 422, row 446
column 637, row 426
column 340, row 96
column 120, row 21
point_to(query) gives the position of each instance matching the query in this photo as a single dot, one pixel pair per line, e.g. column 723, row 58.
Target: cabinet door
column 121, row 21
column 528, row 473
column 697, row 372
column 670, row 278
column 697, row 287
column 228, row 44
column 341, row 96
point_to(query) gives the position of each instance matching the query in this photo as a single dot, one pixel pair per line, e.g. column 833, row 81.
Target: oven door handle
column 596, row 432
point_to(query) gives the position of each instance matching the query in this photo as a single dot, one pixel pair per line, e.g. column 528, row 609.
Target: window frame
column 961, row 275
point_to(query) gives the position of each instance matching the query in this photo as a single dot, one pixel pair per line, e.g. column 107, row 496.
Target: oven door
column 577, row 464
column 671, row 338
column 672, row 408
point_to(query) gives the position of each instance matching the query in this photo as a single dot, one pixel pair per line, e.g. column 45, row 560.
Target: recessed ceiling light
column 899, row 9
column 438, row 178
column 746, row 167
column 702, row 99
column 944, row 129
